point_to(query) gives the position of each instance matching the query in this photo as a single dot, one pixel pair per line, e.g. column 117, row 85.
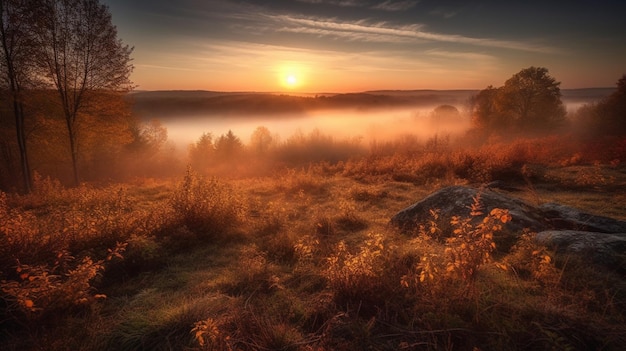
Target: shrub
column 464, row 253
column 358, row 277
column 44, row 289
column 208, row 207
column 531, row 260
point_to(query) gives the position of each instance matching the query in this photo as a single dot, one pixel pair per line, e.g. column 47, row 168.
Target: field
column 305, row 259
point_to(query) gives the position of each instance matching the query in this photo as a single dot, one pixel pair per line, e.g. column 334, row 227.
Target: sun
column 291, row 80
column 292, row 76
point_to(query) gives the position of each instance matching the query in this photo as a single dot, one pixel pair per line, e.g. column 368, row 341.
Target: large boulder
column 457, row 201
column 565, row 217
column 601, row 248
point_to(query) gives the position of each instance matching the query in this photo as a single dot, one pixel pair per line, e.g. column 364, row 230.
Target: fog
column 341, row 124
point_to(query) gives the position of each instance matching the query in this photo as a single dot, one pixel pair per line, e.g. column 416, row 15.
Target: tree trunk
column 73, row 150
column 21, row 142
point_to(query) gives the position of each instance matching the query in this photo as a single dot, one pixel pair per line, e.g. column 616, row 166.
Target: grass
column 307, row 261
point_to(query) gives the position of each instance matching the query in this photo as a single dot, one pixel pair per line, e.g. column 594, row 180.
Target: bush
column 207, row 207
column 464, row 253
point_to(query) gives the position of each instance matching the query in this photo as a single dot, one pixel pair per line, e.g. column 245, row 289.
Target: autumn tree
column 261, row 140
column 16, row 55
column 80, row 55
column 529, row 101
column 486, row 114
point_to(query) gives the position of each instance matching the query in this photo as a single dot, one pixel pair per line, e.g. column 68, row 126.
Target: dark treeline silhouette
column 173, row 103
column 606, row 117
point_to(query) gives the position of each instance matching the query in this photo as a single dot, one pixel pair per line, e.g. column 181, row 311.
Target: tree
column 228, row 146
column 201, row 152
column 148, row 138
column 261, row 140
column 613, row 110
column 607, row 117
column 445, row 115
column 81, row 56
column 16, row 63
column 529, row 101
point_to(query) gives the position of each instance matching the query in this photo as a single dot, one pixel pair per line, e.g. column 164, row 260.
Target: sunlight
column 291, row 75
column 292, row 80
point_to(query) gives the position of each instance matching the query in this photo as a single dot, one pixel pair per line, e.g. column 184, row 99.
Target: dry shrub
column 463, row 254
column 207, row 207
column 528, row 260
column 210, row 336
column 44, row 289
column 361, row 277
column 53, row 255
column 305, row 250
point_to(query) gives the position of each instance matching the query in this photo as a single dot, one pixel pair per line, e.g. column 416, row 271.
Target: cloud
column 383, row 32
column 390, row 5
column 342, row 3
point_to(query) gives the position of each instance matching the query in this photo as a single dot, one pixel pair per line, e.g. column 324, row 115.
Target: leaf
column 502, row 266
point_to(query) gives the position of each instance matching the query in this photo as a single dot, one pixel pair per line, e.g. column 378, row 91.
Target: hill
column 156, row 104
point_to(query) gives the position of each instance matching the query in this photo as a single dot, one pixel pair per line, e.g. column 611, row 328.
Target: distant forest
column 156, row 104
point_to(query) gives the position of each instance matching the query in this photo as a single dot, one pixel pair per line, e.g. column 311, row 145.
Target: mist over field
column 369, row 117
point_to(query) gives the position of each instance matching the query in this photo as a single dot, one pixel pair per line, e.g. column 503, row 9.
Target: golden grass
column 306, row 261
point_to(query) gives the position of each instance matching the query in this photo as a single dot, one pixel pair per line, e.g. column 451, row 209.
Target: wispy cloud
column 390, row 5
column 343, row 3
column 383, row 32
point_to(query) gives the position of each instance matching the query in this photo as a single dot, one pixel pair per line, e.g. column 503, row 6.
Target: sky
column 315, row 46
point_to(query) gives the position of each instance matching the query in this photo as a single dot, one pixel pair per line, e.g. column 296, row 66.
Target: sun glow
column 292, row 76
column 291, row 80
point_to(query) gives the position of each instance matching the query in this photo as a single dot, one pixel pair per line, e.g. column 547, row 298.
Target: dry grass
column 306, row 260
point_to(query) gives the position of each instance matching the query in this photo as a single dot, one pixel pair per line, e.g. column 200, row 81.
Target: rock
column 602, row 248
column 562, row 228
column 457, row 200
column 565, row 217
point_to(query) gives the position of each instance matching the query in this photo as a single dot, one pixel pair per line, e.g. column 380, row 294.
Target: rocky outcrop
column 565, row 217
column 601, row 248
column 456, row 201
column 562, row 228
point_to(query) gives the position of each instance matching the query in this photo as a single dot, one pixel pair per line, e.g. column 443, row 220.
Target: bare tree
column 80, row 55
column 16, row 69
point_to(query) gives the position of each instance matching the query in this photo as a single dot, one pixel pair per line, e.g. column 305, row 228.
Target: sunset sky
column 358, row 45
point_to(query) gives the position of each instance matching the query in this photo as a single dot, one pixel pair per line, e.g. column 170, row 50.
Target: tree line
column 63, row 58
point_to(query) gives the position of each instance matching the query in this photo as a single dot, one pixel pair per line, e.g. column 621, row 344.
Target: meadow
column 303, row 257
